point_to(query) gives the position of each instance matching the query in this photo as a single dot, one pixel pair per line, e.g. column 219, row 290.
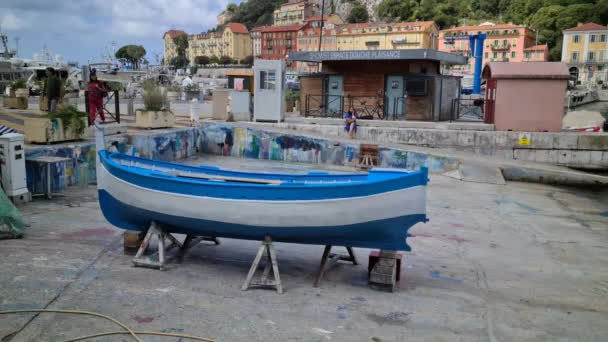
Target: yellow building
column 585, row 50
column 372, row 36
column 233, row 41
column 169, row 48
column 293, row 12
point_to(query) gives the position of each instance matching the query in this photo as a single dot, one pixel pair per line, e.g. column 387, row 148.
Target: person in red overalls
column 97, row 91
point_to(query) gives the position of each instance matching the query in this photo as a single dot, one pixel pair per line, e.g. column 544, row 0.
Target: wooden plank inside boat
column 224, row 178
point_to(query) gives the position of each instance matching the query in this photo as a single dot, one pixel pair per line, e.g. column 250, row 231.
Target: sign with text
column 350, row 55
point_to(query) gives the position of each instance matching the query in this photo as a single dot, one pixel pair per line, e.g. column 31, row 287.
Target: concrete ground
column 515, row 262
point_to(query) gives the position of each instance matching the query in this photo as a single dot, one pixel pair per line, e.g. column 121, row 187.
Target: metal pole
column 117, row 106
column 478, row 61
column 321, row 28
column 322, row 23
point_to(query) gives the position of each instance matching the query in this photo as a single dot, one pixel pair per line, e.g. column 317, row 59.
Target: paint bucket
column 132, row 240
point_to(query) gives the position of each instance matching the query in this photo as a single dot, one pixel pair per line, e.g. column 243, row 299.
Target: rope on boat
column 126, row 331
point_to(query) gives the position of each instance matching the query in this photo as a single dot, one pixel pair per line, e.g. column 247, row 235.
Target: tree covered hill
column 548, row 17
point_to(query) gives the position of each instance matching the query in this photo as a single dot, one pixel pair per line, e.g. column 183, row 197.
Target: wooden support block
column 373, row 259
column 132, row 240
column 383, row 274
column 368, row 155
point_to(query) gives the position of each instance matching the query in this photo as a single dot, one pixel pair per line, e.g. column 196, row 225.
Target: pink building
column 504, row 43
column 526, row 97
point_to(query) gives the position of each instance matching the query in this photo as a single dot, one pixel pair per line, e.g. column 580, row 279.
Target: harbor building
column 585, row 50
column 379, row 84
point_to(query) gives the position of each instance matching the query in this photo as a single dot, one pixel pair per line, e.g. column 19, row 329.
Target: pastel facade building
column 293, row 12
column 585, row 50
column 256, row 40
column 399, row 36
column 504, row 43
column 278, row 41
column 170, row 49
column 233, row 41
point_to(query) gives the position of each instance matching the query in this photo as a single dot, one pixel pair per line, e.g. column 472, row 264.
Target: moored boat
column 373, row 210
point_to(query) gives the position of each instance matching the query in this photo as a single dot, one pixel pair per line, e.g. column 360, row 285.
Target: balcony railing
column 500, row 47
column 594, row 61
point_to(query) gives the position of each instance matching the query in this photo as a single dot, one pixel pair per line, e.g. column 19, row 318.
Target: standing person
column 96, row 92
column 53, row 89
column 350, row 119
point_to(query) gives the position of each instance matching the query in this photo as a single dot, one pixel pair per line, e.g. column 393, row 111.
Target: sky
column 83, row 30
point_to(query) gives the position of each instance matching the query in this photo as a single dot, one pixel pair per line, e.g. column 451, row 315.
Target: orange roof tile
column 587, row 27
column 484, row 27
column 422, row 24
column 284, row 28
column 174, row 33
column 317, row 18
column 237, row 28
column 536, row 48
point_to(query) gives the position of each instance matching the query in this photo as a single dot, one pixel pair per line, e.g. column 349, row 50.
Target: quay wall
column 572, row 149
column 217, row 139
column 247, row 142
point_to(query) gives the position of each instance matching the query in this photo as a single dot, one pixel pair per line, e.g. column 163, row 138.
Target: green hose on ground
column 126, row 331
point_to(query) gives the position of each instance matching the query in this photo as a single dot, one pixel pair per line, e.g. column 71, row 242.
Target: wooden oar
column 224, row 178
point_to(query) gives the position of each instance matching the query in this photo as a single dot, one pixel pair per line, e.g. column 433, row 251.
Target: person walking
column 53, row 89
column 96, row 92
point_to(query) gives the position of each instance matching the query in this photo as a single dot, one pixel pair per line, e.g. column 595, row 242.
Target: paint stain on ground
column 455, row 238
column 442, row 236
column 142, row 319
column 398, row 318
column 437, row 275
column 342, row 311
column 359, row 299
column 526, row 207
column 421, row 235
column 84, row 233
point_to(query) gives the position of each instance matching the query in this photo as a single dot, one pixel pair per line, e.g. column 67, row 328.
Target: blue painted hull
column 389, row 234
column 373, row 210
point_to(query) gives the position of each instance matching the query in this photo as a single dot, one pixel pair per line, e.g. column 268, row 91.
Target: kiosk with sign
column 269, row 85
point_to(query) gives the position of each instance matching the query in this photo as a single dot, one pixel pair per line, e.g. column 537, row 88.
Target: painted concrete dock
column 515, row 262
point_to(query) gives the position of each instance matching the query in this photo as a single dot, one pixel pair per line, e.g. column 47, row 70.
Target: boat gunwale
column 397, row 176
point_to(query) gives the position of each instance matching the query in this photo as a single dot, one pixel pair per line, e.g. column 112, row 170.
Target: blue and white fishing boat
column 372, row 210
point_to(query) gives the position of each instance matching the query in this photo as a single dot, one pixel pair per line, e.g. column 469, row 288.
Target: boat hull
column 372, row 221
column 390, row 233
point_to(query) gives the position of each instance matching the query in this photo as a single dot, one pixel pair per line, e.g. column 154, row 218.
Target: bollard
column 194, row 112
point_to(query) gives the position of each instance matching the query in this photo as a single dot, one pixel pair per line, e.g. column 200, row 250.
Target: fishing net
column 11, row 223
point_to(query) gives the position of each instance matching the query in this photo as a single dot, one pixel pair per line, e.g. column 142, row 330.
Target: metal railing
column 367, row 107
column 331, row 106
column 111, row 95
column 468, row 110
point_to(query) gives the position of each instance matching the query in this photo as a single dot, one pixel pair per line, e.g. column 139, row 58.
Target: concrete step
column 481, row 173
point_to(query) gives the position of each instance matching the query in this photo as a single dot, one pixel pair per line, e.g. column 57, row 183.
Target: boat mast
column 6, row 53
